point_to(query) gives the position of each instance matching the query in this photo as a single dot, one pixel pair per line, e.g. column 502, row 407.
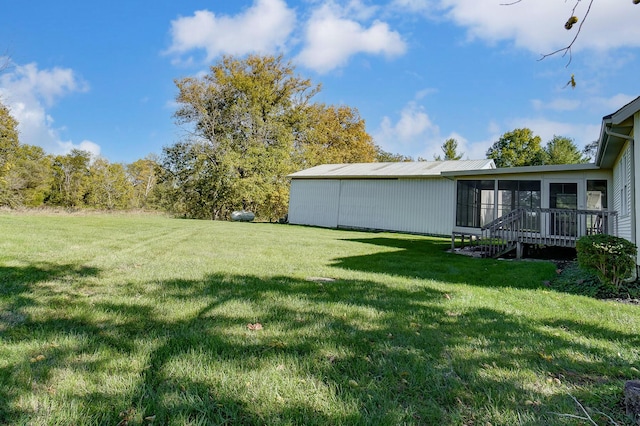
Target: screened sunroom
column 544, row 205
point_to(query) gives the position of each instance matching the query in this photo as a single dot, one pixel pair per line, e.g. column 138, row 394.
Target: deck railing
column 544, row 226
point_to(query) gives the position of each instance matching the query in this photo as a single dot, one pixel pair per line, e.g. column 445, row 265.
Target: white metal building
column 407, row 196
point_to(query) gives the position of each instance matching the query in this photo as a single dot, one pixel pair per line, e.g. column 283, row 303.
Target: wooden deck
column 539, row 227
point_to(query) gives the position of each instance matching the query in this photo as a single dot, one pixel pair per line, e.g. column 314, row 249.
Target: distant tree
column 517, row 148
column 108, row 186
column 591, row 150
column 383, row 156
column 29, row 180
column 70, row 179
column 194, row 183
column 334, row 134
column 8, row 142
column 562, row 150
column 143, row 178
column 450, row 150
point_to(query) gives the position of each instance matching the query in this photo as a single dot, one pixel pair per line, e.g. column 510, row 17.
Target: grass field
column 149, row 320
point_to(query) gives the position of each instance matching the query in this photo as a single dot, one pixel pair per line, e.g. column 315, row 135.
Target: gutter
column 617, row 135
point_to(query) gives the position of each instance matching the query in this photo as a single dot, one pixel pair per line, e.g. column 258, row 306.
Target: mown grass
column 143, row 320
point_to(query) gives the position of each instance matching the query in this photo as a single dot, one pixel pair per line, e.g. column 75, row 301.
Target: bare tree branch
column 572, row 19
column 567, row 49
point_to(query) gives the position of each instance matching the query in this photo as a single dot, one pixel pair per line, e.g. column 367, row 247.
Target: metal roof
column 413, row 169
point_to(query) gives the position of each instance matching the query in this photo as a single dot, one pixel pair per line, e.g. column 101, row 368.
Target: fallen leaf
column 353, row 383
column 256, row 326
column 446, row 296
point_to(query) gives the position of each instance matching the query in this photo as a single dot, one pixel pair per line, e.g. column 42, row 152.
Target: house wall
column 635, row 206
column 623, row 192
column 408, row 205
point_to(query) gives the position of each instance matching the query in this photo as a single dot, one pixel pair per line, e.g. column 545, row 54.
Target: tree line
column 248, row 123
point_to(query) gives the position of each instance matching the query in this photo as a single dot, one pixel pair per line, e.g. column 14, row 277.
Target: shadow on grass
column 19, row 291
column 343, row 352
column 428, row 259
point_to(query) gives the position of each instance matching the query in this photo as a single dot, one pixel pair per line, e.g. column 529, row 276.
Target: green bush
column 576, row 280
column 613, row 259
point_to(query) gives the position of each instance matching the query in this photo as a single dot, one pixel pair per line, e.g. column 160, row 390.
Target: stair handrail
column 508, row 218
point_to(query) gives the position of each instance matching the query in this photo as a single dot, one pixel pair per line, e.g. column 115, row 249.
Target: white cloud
column 358, row 10
column 47, row 85
column 416, row 135
column 262, row 28
column 559, row 104
column 538, row 25
column 609, row 105
column 331, row 39
column 29, row 92
column 413, row 6
column 85, row 145
column 413, row 134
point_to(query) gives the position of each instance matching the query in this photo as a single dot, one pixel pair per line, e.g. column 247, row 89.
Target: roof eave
column 524, row 169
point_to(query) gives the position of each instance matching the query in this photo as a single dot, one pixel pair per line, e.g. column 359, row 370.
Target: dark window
column 596, row 194
column 563, row 196
column 596, row 200
column 518, row 193
column 474, row 206
column 513, row 194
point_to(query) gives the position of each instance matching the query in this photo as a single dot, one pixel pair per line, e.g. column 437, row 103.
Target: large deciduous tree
column 517, row 148
column 243, row 115
column 335, row 134
column 250, row 122
column 383, row 156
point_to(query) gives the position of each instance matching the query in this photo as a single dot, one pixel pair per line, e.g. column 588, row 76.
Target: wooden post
column 519, row 250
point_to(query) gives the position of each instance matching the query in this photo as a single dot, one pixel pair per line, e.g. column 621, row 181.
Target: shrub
column 613, row 259
column 576, row 280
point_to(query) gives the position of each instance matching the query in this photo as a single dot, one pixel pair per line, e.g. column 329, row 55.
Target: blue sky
column 99, row 75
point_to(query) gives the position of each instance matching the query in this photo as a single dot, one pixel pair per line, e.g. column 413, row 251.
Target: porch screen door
column 563, row 196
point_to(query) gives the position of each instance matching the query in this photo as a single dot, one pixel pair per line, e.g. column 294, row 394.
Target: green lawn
column 144, row 320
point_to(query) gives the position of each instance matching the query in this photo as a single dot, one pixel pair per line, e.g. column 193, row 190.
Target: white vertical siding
column 409, row 205
column 314, row 202
column 622, row 192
